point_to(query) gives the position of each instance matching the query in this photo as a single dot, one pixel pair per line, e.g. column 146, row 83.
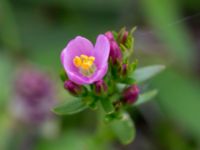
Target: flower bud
column 109, row 35
column 122, row 37
column 131, row 94
column 124, row 69
column 73, row 88
column 100, row 87
column 115, row 52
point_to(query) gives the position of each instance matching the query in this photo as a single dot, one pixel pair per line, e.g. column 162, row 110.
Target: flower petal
column 78, row 79
column 100, row 73
column 81, row 80
column 75, row 47
column 102, row 50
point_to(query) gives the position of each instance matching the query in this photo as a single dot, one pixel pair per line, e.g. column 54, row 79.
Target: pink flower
column 85, row 63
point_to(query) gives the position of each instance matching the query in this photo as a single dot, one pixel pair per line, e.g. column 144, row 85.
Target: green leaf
column 145, row 97
column 71, row 107
column 180, row 98
column 145, row 73
column 124, row 129
column 107, row 105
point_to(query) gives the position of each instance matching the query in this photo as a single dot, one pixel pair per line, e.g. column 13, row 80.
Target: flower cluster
column 102, row 75
column 95, row 71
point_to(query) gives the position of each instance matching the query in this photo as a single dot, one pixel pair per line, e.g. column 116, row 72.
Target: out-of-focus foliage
column 36, row 31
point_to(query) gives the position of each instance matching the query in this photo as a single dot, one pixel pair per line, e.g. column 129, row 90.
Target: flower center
column 85, row 64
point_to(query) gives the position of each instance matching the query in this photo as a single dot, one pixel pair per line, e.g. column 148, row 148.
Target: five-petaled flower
column 85, row 63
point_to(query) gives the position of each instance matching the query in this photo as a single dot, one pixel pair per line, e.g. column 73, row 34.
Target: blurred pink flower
column 34, row 96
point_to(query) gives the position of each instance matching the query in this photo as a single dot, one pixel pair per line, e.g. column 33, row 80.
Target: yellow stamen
column 77, row 61
column 84, row 62
column 91, row 58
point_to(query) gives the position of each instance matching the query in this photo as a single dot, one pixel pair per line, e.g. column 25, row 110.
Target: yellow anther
column 91, row 58
column 84, row 57
column 84, row 62
column 77, row 61
column 85, row 66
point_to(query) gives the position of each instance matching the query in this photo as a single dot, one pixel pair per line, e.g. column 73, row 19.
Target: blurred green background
column 168, row 32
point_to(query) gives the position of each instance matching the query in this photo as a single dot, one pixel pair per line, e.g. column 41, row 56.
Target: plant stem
column 103, row 135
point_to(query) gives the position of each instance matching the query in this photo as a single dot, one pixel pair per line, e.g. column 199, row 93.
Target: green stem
column 103, row 135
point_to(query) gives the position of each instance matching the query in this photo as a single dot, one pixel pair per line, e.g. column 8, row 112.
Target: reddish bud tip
column 73, row 88
column 115, row 52
column 124, row 69
column 100, row 87
column 122, row 36
column 109, row 35
column 131, row 94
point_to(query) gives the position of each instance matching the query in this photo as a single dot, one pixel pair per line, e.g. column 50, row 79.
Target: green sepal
column 129, row 44
column 91, row 102
column 115, row 35
column 132, row 66
column 128, row 80
column 63, row 75
column 120, row 34
column 110, row 117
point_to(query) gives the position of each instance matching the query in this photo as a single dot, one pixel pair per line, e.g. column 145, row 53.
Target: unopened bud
column 109, row 35
column 115, row 52
column 124, row 69
column 122, row 37
column 73, row 88
column 100, row 87
column 131, row 94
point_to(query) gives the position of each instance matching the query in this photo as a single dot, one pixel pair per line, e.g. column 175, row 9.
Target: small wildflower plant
column 102, row 77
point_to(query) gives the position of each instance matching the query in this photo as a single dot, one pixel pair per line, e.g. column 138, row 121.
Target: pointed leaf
column 145, row 97
column 71, row 107
column 124, row 129
column 145, row 73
